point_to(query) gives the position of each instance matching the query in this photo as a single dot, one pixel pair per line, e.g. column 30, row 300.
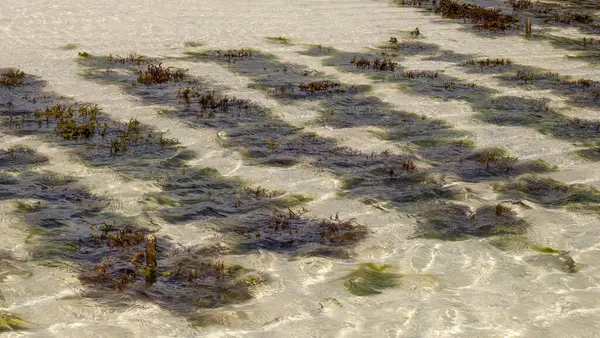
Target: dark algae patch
column 547, row 256
column 288, row 229
column 580, row 92
column 19, row 156
column 482, row 18
column 459, row 222
column 493, row 19
column 552, row 193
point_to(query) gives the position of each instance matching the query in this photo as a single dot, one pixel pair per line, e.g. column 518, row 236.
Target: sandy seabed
column 427, row 198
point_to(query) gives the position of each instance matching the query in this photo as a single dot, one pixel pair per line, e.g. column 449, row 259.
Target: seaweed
column 489, row 62
column 459, row 222
column 404, row 181
column 552, row 193
column 120, row 254
column 70, row 46
column 11, row 322
column 425, row 74
column 318, row 86
column 157, row 74
column 483, row 18
column 72, row 123
column 370, row 279
column 19, row 156
column 520, row 4
column 280, row 39
column 12, row 77
column 193, row 44
column 375, row 64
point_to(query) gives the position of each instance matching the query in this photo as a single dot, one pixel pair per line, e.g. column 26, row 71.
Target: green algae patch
column 70, row 46
column 11, row 322
column 370, row 278
column 162, row 200
column 292, row 200
column 349, row 183
column 22, row 206
column 521, row 243
column 302, row 198
column 280, row 39
column 193, row 44
column 545, row 249
column 510, row 243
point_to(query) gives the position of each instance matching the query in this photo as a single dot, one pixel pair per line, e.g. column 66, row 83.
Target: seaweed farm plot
column 116, row 255
column 433, row 83
column 385, row 177
column 188, row 193
column 298, row 169
column 537, row 113
column 491, row 106
column 342, row 108
column 580, row 92
column 510, row 16
column 422, row 179
column 535, row 20
column 481, row 17
column 586, row 48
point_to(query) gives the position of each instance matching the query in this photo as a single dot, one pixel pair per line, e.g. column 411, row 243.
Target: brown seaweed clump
column 285, row 231
column 318, row 86
column 484, row 18
column 375, row 64
column 459, row 222
column 489, row 62
column 156, row 74
column 72, row 122
column 12, row 77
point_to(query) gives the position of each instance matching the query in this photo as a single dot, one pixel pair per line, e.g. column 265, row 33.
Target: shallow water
column 296, row 193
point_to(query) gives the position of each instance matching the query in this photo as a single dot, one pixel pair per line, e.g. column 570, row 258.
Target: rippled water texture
column 310, row 168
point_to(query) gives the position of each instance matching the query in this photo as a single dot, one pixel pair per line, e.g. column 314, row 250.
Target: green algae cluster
column 370, row 278
column 280, row 40
column 11, row 322
column 550, row 257
column 516, row 243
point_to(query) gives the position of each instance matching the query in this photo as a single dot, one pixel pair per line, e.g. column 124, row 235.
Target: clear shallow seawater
column 494, row 286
